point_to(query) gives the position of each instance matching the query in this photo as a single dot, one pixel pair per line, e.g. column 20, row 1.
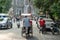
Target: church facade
column 22, row 6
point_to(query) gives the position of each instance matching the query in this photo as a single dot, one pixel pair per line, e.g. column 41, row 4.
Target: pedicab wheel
column 27, row 35
column 31, row 32
column 22, row 32
column 32, row 35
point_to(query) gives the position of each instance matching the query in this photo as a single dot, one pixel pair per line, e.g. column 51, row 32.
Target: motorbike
column 55, row 29
column 18, row 24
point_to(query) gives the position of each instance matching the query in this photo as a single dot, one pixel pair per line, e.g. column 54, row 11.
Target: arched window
column 29, row 9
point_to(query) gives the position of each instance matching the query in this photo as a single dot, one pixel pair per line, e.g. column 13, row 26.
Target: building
column 18, row 6
column 22, row 6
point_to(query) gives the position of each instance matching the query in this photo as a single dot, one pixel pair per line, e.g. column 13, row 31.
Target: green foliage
column 5, row 5
column 38, row 3
column 43, row 3
column 52, row 5
column 55, row 8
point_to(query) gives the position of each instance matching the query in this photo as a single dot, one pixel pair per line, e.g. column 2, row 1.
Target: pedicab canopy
column 25, row 14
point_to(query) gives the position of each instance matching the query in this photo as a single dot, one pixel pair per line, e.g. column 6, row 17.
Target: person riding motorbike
column 18, row 22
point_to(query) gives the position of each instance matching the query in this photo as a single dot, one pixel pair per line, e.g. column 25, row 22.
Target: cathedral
column 22, row 6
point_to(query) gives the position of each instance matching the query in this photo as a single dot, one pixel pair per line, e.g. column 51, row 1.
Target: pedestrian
column 37, row 21
column 26, row 24
column 13, row 19
column 42, row 25
column 18, row 22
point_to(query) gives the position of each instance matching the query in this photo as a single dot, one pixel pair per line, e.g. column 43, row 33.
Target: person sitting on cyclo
column 42, row 24
column 26, row 23
column 30, row 23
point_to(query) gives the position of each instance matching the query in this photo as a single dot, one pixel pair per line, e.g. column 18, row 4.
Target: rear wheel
column 22, row 32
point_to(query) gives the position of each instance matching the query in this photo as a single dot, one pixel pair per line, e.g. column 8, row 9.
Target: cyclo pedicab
column 24, row 30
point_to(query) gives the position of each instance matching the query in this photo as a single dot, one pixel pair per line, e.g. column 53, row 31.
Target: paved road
column 15, row 34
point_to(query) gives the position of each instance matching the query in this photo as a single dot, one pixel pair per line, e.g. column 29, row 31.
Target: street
column 43, row 13
column 15, row 34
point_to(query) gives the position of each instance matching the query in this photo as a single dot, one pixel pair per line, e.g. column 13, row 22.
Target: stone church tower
column 22, row 6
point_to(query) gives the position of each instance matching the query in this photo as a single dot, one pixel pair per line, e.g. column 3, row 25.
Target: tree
column 52, row 6
column 43, row 4
column 55, row 8
column 5, row 5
